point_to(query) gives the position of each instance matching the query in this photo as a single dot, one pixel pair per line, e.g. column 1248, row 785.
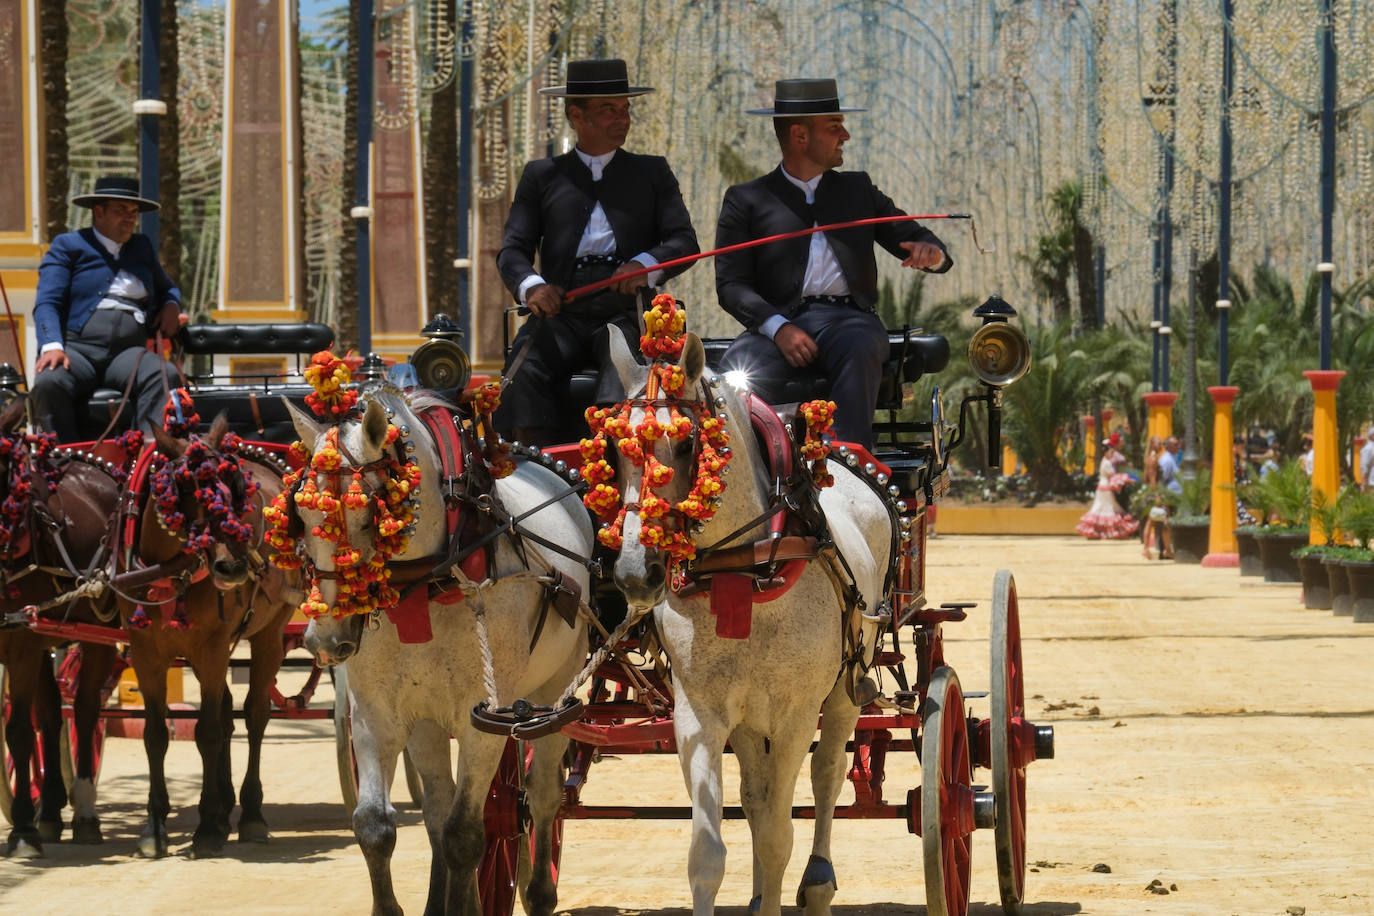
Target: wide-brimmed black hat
column 115, row 187
column 596, row 79
column 800, row 98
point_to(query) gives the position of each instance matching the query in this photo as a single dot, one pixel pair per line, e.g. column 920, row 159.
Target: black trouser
column 109, row 348
column 853, row 347
column 534, row 407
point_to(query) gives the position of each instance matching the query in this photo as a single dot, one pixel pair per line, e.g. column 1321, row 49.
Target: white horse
column 760, row 693
column 422, row 692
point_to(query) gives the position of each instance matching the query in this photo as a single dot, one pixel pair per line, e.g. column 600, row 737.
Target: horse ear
column 13, row 413
column 306, row 427
column 693, row 361
column 626, row 366
column 218, row 428
column 168, row 444
column 374, row 427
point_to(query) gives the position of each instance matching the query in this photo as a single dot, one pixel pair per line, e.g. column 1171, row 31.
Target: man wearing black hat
column 101, row 295
column 809, row 303
column 592, row 213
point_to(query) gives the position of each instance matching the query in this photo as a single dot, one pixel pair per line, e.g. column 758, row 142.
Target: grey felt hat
column 800, row 98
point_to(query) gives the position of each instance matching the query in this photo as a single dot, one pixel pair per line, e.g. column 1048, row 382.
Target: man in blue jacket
column 101, row 296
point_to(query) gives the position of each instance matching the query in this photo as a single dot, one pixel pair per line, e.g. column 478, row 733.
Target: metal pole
column 362, row 212
column 1327, row 40
column 465, row 272
column 1228, row 74
column 1154, row 311
column 1166, row 259
column 149, row 64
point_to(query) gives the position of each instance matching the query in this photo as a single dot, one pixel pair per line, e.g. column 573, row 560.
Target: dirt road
column 1211, row 735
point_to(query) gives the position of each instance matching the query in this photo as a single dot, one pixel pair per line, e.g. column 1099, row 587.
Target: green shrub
column 1288, row 491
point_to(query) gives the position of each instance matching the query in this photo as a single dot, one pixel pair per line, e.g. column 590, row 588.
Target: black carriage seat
column 253, row 404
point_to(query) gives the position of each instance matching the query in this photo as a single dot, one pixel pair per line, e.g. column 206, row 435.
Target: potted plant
column 1256, row 499
column 1357, row 521
column 1190, row 525
column 1316, row 582
column 1289, row 492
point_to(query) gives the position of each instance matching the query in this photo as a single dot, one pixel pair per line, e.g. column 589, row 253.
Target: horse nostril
column 344, row 651
column 656, row 576
column 226, row 568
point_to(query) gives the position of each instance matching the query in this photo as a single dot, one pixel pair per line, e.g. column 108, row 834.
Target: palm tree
column 1046, row 403
column 52, row 16
column 440, row 181
column 1120, row 356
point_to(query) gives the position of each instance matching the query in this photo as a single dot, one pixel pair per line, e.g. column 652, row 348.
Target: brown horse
column 55, row 508
column 200, row 519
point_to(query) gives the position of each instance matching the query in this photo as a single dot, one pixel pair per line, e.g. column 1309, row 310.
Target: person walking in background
column 1153, row 451
column 1308, row 454
column 1168, row 466
column 1105, row 517
column 1367, row 461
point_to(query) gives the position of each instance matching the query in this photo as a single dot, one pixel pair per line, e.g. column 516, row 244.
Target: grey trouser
column 108, row 349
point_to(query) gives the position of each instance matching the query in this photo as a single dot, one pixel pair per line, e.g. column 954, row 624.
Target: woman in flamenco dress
column 1105, row 519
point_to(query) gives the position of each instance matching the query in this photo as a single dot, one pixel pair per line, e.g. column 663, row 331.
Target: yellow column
column 1355, row 460
column 1326, row 465
column 1009, row 460
column 1089, row 445
column 1221, row 535
column 1161, row 404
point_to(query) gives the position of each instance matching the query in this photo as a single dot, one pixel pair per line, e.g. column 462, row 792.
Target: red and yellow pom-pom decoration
column 817, row 418
column 485, row 400
column 661, row 522
column 329, row 376
column 330, row 487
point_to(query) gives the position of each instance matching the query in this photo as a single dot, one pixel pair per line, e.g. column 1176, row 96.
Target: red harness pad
column 411, row 617
column 732, row 603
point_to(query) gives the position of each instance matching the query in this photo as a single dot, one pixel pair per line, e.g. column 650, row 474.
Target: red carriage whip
column 754, row 243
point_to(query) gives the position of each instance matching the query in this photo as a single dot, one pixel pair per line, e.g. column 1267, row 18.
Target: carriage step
column 975, row 694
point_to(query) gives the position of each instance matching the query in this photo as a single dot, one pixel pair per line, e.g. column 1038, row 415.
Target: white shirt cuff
column 770, row 327
column 528, row 284
column 49, row 347
column 654, row 278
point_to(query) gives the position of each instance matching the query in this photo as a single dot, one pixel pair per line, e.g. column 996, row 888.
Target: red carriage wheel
column 509, row 848
column 947, row 797
column 68, row 676
column 1014, row 742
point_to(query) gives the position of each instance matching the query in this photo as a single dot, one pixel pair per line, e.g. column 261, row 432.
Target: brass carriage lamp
column 440, row 363
column 999, row 354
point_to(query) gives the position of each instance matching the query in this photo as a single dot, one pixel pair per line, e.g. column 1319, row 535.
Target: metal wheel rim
column 946, row 768
column 1008, row 703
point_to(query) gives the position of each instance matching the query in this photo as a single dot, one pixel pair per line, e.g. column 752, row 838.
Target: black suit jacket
column 556, row 197
column 757, row 283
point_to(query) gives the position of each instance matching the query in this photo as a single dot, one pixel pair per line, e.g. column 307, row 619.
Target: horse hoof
column 152, row 846
column 50, row 831
column 756, row 904
column 207, row 846
column 253, row 832
column 24, row 844
column 86, row 831
column 817, row 886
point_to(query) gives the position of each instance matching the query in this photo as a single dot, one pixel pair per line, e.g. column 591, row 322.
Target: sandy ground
column 1211, row 735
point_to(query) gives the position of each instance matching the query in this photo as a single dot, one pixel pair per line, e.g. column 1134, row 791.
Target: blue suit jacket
column 77, row 271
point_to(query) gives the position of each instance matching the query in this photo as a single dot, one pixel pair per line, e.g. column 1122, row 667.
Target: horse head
column 671, row 444
column 357, row 502
column 201, row 499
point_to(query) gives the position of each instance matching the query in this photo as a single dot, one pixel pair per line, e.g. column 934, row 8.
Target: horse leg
column 700, row 748
column 53, row 792
column 266, row 656
column 838, row 717
column 97, row 661
column 212, row 738
column 429, row 751
column 152, row 684
column 749, row 754
column 24, row 840
column 464, row 829
column 377, row 741
column 544, row 791
column 768, row 780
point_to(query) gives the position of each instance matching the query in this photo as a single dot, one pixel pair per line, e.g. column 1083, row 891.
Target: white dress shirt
column 823, row 274
column 598, row 238
column 124, row 284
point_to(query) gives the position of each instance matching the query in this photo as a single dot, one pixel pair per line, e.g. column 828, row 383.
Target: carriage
column 627, row 706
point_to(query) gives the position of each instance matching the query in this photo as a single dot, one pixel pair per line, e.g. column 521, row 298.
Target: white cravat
column 823, row 274
column 124, row 284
